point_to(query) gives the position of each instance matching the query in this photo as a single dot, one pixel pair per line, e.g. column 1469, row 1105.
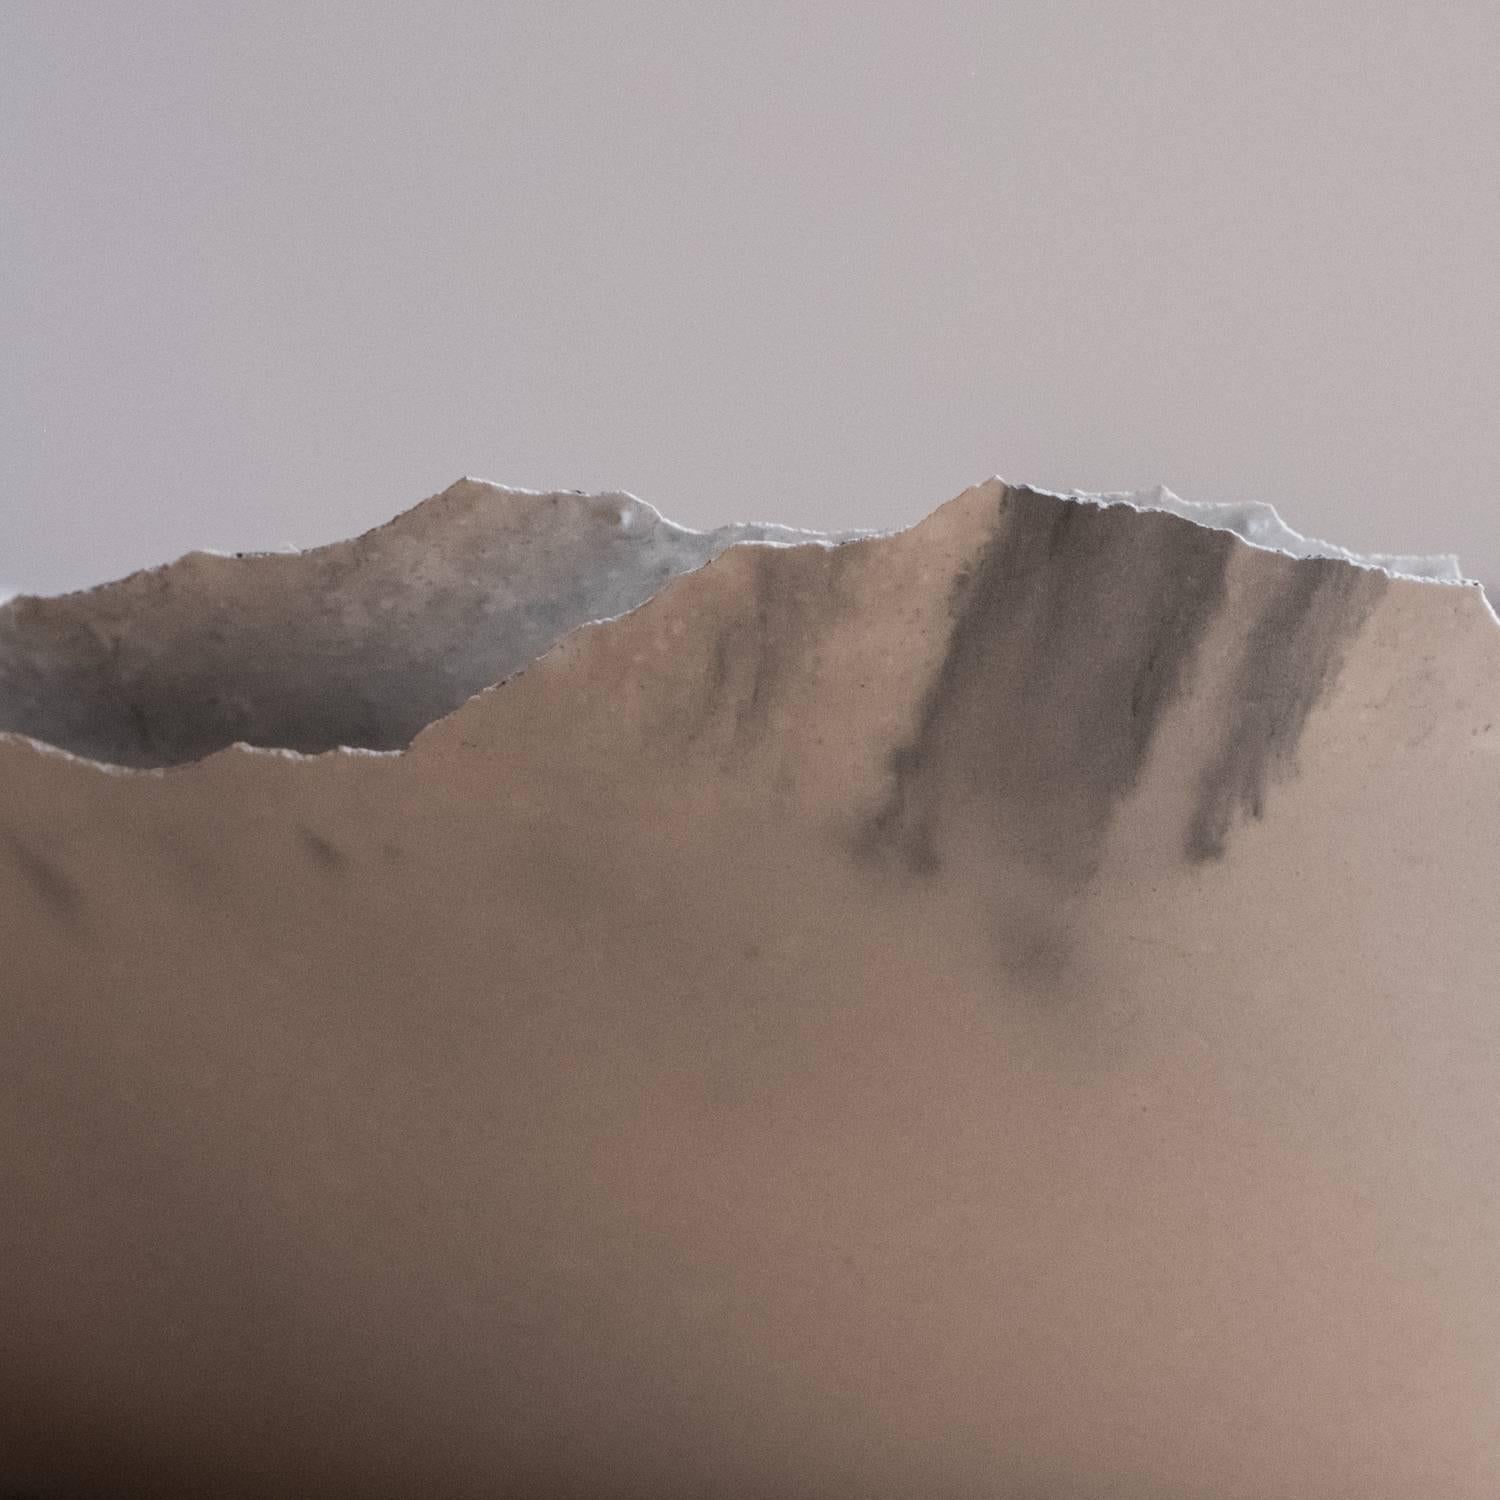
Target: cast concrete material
column 363, row 643
column 1261, row 525
column 1003, row 1008
column 358, row 643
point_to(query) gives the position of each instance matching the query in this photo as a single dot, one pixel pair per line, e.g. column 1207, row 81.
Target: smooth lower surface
column 1002, row 1009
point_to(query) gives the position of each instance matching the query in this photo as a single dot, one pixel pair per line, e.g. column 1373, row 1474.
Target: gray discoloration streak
column 789, row 601
column 59, row 892
column 325, row 855
column 1073, row 634
column 363, row 643
column 1291, row 657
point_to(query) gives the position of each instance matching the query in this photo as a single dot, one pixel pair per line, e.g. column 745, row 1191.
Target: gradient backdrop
column 271, row 272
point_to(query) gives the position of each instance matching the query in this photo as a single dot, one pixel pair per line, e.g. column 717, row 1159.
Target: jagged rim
column 1212, row 518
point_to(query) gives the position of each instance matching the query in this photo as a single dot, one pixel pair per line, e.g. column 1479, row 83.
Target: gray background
column 272, row 272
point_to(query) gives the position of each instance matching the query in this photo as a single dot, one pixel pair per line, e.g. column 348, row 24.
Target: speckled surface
column 1002, row 1008
column 358, row 643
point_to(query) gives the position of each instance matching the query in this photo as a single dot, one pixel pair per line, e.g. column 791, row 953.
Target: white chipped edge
column 1257, row 523
column 1260, row 524
column 788, row 536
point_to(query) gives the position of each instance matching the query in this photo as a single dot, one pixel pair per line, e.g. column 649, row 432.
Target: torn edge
column 777, row 535
column 1261, row 525
column 1256, row 524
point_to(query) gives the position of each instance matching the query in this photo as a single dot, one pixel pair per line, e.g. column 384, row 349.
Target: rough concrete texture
column 360, row 643
column 1004, row 1008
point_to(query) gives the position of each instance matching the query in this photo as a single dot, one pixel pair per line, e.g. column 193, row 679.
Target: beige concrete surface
column 1002, row 1009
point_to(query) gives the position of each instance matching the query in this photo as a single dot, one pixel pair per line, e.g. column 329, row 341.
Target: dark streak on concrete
column 326, row 855
column 752, row 710
column 764, row 645
column 766, row 635
column 1073, row 634
column 1290, row 658
column 56, row 888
